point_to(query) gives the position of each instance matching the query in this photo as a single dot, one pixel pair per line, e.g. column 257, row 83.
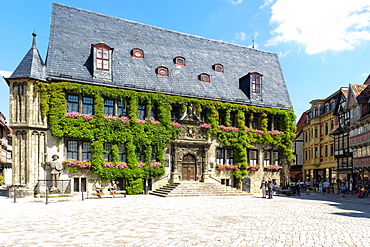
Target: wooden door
column 188, row 168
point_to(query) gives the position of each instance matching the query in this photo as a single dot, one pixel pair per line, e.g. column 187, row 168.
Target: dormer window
column 180, row 61
column 137, row 53
column 204, row 78
column 162, row 71
column 102, row 56
column 256, row 80
column 218, row 68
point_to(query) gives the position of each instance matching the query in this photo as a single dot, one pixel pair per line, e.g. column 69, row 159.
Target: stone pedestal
column 175, row 177
column 20, row 192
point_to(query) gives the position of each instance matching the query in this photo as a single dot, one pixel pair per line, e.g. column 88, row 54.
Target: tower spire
column 34, row 39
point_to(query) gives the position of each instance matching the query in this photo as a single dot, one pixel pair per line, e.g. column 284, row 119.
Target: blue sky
column 322, row 44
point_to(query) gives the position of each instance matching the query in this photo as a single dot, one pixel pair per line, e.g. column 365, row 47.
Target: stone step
column 197, row 189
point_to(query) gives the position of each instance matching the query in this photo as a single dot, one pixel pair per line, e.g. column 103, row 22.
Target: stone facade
column 196, row 154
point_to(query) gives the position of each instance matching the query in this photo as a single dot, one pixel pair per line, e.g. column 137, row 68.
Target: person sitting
column 112, row 189
column 99, row 189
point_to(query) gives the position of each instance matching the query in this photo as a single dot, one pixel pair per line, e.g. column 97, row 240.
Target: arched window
column 179, row 61
column 162, row 71
column 218, row 68
column 204, row 78
column 137, row 53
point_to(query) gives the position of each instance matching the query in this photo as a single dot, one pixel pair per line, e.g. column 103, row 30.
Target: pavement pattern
column 146, row 220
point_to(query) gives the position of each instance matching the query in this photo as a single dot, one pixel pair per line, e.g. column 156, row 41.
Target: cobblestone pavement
column 145, row 220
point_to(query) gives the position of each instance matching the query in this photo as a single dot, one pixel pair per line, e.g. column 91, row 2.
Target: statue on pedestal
column 56, row 167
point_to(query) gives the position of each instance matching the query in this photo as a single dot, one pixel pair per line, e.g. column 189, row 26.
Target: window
column 121, row 109
column 162, row 71
column 108, row 107
column 266, row 158
column 233, row 118
column 224, row 156
column 72, row 150
column 180, row 61
column 255, row 122
column 256, row 80
column 72, row 103
column 102, row 56
column 276, row 158
column 87, row 105
column 153, row 111
column 175, row 113
column 78, row 150
column 115, row 107
column 137, row 53
column 221, row 117
column 86, row 150
column 141, row 112
column 122, row 152
column 204, row 78
column 203, row 115
column 79, row 184
column 108, row 152
column 218, row 68
column 253, row 157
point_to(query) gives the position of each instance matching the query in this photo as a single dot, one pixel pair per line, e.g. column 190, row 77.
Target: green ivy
column 143, row 138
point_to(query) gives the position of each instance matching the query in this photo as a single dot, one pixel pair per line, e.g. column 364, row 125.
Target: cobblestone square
column 145, row 220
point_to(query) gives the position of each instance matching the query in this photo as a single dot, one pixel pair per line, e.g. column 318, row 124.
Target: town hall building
column 117, row 100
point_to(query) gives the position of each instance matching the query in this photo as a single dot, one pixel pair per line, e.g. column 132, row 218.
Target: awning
column 292, row 174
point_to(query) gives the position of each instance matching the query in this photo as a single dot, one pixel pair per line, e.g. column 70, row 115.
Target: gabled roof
column 73, row 31
column 32, row 65
column 344, row 91
column 361, row 92
column 301, row 122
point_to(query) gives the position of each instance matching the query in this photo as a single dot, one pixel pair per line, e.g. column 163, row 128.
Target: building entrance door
column 188, row 168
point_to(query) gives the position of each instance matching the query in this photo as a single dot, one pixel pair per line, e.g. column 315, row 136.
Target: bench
column 107, row 194
column 287, row 192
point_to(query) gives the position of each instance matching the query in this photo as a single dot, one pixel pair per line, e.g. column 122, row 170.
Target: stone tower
column 29, row 128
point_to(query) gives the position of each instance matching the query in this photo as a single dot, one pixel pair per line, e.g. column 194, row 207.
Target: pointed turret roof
column 32, row 65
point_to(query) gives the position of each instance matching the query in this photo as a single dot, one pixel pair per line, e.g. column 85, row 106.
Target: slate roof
column 73, row 31
column 32, row 65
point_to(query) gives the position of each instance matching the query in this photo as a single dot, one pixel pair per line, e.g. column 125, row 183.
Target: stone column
column 205, row 161
column 174, row 158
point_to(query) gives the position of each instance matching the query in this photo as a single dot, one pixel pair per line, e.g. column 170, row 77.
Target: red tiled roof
column 362, row 92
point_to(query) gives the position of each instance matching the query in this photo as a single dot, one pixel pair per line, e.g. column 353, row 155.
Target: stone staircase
column 183, row 189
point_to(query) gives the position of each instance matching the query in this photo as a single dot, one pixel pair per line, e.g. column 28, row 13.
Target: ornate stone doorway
column 188, row 168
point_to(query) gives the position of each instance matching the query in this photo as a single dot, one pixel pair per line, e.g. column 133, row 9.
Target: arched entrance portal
column 188, row 168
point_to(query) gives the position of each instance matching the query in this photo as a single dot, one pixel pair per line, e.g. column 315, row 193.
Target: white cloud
column 236, row 1
column 266, row 3
column 241, row 36
column 5, row 74
column 284, row 54
column 319, row 26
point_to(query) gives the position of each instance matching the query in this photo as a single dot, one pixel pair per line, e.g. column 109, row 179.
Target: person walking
column 269, row 188
column 263, row 187
column 343, row 189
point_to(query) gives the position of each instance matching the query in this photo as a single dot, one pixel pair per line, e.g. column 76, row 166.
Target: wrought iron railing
column 53, row 187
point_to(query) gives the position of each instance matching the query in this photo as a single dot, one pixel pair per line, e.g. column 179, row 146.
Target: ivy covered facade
column 172, row 109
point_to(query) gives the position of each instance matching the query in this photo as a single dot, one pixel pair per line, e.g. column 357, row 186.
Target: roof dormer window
column 218, row 68
column 256, row 81
column 137, row 53
column 162, row 71
column 204, row 78
column 102, row 56
column 180, row 61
